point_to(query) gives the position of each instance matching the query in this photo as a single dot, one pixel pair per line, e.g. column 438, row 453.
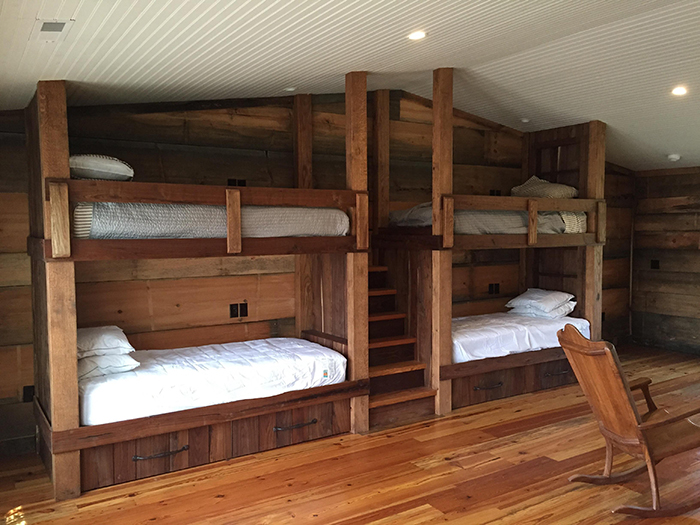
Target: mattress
column 486, row 222
column 173, row 380
column 116, row 220
column 497, row 335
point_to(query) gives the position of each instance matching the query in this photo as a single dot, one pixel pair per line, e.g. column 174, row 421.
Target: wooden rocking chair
column 657, row 435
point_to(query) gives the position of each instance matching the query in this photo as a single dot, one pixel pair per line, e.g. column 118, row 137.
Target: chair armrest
column 642, row 383
column 673, row 415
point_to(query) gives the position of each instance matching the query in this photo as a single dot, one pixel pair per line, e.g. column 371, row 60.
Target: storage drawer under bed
column 136, row 459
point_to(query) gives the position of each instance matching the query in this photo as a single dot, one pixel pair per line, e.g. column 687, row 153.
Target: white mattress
column 487, row 222
column 173, row 380
column 113, row 220
column 496, row 335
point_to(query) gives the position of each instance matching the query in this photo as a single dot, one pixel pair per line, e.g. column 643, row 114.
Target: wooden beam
column 379, row 168
column 60, row 219
column 441, row 328
column 233, row 221
column 361, row 221
column 356, row 320
column 356, row 130
column 442, row 143
column 302, row 138
column 531, row 222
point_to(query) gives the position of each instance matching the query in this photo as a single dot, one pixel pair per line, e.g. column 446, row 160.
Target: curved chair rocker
column 657, row 435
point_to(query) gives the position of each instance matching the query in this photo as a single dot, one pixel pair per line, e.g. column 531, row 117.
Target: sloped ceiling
column 555, row 62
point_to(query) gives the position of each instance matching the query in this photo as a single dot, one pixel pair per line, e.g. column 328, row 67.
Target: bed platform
column 325, row 299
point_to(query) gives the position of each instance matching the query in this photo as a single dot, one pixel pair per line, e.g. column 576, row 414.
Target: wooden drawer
column 554, row 374
column 126, row 461
column 480, row 388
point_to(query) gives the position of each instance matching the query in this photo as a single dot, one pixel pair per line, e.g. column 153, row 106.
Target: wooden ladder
column 398, row 394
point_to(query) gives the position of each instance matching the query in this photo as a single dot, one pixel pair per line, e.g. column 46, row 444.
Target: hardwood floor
column 503, row 462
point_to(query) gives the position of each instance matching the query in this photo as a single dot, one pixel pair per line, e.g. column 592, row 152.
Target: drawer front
column 496, row 385
column 553, row 374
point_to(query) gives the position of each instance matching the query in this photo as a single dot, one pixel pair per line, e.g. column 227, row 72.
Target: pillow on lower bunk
column 103, row 365
column 102, row 340
column 99, row 167
column 560, row 311
column 536, row 187
column 545, row 300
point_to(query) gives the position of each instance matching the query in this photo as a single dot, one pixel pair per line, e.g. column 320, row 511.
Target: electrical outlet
column 495, row 193
column 233, row 311
column 243, row 309
column 494, row 288
column 655, row 265
column 28, row 394
column 237, row 182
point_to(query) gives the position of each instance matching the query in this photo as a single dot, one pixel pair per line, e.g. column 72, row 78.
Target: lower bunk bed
column 504, row 354
column 186, row 407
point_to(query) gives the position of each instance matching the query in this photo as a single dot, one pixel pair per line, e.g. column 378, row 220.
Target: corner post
column 357, row 262
column 442, row 259
column 379, row 168
column 53, row 286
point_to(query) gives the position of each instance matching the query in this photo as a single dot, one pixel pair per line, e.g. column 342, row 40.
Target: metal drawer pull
column 161, row 454
column 300, row 425
column 497, row 385
column 552, row 374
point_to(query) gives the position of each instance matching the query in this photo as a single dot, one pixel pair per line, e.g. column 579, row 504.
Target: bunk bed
column 88, row 436
column 418, row 240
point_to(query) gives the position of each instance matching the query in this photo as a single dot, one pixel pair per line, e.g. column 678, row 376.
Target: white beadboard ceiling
column 556, row 62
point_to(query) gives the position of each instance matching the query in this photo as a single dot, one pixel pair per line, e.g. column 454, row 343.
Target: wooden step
column 400, row 396
column 395, row 368
column 378, row 292
column 384, row 342
column 378, row 268
column 386, row 316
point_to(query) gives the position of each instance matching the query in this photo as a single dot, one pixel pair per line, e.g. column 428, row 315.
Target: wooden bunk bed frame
column 332, row 312
column 463, row 384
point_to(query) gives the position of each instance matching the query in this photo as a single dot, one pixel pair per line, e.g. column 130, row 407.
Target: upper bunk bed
column 264, row 379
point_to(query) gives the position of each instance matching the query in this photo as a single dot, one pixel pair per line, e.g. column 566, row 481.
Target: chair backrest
column 602, row 380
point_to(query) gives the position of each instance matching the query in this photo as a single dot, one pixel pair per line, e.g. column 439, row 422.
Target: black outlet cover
column 233, row 311
column 243, row 309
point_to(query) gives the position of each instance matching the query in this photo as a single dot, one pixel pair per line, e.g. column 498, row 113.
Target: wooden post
column 379, row 168
column 357, row 276
column 302, row 136
column 592, row 167
column 60, row 219
column 441, row 328
column 53, row 283
column 531, row 222
column 442, row 143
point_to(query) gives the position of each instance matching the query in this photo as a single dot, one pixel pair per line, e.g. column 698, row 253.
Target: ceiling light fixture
column 290, row 89
column 679, row 91
column 674, row 157
column 524, row 120
column 416, row 35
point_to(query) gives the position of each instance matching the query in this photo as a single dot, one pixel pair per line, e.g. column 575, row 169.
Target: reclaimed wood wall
column 666, row 272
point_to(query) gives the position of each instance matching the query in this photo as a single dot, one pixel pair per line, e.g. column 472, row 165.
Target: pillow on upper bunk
column 536, row 187
column 544, row 300
column 102, row 340
column 531, row 311
column 99, row 167
column 103, row 365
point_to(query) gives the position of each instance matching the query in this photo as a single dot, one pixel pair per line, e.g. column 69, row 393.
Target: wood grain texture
column 302, row 139
column 356, row 130
column 501, row 459
column 233, row 221
column 442, row 141
column 60, row 219
column 379, row 167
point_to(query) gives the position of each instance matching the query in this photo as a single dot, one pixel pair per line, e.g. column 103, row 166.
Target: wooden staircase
column 398, row 391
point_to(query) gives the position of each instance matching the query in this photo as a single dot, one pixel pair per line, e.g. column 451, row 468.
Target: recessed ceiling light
column 679, row 91
column 674, row 157
column 290, row 89
column 524, row 120
column 417, row 35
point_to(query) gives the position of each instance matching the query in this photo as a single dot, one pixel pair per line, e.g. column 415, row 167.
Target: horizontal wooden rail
column 166, row 193
column 489, row 202
column 492, row 364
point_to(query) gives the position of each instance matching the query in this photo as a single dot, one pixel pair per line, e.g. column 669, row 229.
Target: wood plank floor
column 501, row 462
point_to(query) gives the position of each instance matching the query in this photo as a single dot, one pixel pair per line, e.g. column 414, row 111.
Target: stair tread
column 395, row 368
column 394, row 340
column 375, row 292
column 378, row 268
column 386, row 316
column 400, row 396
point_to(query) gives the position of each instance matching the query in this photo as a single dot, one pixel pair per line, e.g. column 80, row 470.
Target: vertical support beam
column 379, row 167
column 302, row 137
column 53, row 283
column 233, row 221
column 442, row 327
column 442, row 143
column 593, row 162
column 357, row 299
column 60, row 219
column 357, row 276
column 303, row 296
column 531, row 222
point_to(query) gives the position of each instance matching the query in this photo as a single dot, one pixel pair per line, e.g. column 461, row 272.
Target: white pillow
column 536, row 187
column 103, row 365
column 99, row 167
column 561, row 311
column 102, row 340
column 545, row 300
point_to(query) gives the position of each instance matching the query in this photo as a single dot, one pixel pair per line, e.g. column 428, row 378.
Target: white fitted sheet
column 496, row 335
column 172, row 380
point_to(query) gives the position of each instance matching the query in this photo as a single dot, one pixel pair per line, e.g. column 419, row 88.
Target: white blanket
column 128, row 220
column 496, row 335
column 173, row 380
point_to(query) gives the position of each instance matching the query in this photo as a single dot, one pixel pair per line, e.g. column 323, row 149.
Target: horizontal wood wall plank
column 616, row 302
column 616, row 273
column 14, row 222
column 16, row 315
column 15, row 269
column 16, row 370
column 484, row 306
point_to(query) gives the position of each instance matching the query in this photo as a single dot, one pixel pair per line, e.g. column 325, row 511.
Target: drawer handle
column 552, row 374
column 492, row 387
column 300, row 425
column 161, row 454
